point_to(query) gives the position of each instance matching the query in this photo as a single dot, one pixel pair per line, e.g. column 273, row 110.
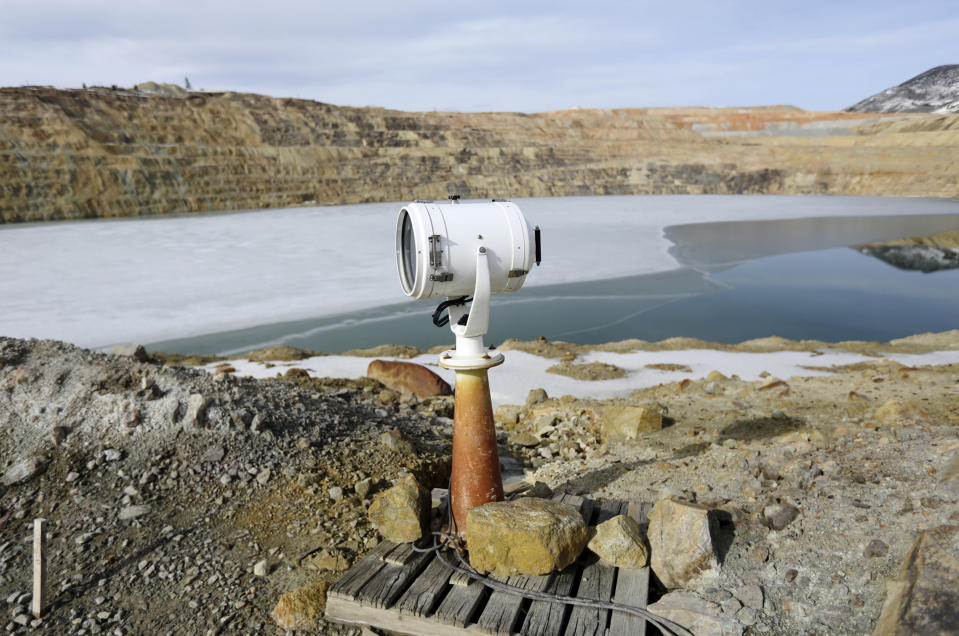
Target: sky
column 527, row 56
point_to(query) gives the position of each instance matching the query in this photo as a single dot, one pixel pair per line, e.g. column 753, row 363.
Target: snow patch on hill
column 935, row 91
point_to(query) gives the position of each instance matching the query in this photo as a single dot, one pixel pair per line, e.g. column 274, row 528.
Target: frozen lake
column 275, row 275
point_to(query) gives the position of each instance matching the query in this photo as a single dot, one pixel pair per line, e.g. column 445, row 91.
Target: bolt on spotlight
column 465, row 252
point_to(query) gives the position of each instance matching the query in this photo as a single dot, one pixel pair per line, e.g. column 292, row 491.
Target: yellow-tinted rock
column 619, row 542
column 401, row 513
column 302, row 608
column 681, row 541
column 924, row 598
column 628, row 422
column 526, row 536
column 898, row 412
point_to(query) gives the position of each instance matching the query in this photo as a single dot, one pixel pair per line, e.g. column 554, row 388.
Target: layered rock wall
column 67, row 154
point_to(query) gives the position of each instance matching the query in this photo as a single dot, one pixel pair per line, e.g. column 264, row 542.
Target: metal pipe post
column 476, row 478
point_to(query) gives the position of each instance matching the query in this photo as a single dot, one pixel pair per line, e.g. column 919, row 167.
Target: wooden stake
column 39, row 567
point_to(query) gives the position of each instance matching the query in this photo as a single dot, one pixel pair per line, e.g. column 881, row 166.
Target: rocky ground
column 180, row 501
column 823, row 483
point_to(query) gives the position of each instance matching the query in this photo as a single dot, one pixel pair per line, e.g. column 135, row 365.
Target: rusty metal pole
column 476, row 477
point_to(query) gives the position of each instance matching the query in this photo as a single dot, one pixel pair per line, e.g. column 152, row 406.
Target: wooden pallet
column 399, row 590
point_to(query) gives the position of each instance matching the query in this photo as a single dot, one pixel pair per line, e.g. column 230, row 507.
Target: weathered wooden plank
column 543, row 617
column 632, row 588
column 402, row 554
column 350, row 583
column 596, row 583
column 391, row 620
column 460, row 604
column 502, row 613
column 392, row 580
column 426, row 592
column 459, row 578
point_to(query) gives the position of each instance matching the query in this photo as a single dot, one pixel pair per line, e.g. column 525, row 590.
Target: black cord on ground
column 665, row 625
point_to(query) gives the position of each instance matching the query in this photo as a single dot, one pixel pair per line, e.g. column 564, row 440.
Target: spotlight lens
column 409, row 252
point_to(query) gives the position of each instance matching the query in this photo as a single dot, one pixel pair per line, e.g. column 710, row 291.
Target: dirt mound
column 170, row 484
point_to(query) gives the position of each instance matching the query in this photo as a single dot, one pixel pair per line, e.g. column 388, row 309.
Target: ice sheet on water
column 95, row 283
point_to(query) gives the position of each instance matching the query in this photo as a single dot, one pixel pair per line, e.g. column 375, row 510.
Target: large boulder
column 526, row 536
column 302, row 608
column 401, row 513
column 681, row 541
column 629, row 422
column 925, row 597
column 410, row 377
column 619, row 542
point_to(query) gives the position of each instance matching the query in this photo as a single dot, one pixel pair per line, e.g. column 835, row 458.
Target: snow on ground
column 510, row 382
column 95, row 283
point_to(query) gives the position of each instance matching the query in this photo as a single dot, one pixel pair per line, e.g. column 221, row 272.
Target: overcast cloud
column 518, row 56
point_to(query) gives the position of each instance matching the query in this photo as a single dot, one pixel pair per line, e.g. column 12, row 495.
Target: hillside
column 67, row 154
column 935, row 91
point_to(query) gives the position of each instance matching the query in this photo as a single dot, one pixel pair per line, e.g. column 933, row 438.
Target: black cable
column 664, row 624
column 440, row 319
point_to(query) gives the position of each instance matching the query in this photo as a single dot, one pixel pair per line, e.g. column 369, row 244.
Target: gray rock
column 699, row 616
column 336, row 493
column 259, row 423
column 261, row 568
column 263, row 476
column 213, row 454
column 363, row 488
column 24, row 471
column 778, row 516
column 84, row 538
column 731, row 605
column 713, row 388
column 72, row 477
column 131, row 418
column 747, row 616
column 305, row 480
column 397, row 441
column 524, row 438
column 58, row 434
column 131, row 350
column 133, row 512
column 111, row 455
column 750, row 595
column 536, row 396
column 876, row 548
column 22, row 619
column 196, row 409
